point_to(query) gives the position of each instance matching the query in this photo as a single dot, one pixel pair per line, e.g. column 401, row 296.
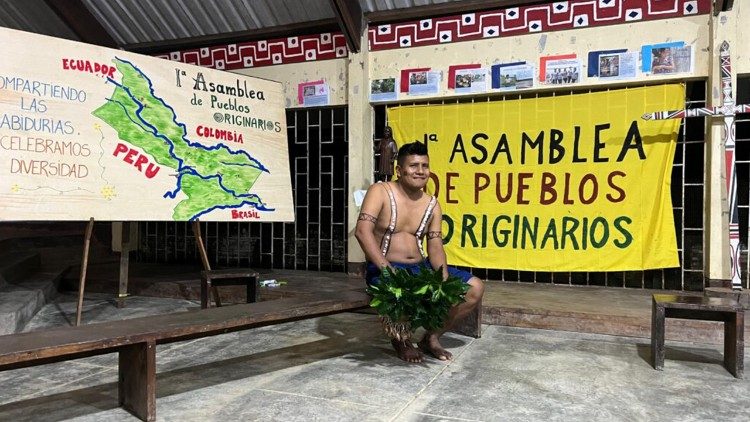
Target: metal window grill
column 687, row 203
column 317, row 240
column 742, row 151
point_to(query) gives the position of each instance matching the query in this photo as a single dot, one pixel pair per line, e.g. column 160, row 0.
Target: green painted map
column 210, row 177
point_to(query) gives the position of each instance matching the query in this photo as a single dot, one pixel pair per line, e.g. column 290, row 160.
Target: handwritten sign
column 87, row 131
column 566, row 183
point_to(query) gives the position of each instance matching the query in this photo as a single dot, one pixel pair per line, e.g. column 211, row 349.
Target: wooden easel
column 124, row 247
column 123, row 237
column 84, row 266
column 204, row 257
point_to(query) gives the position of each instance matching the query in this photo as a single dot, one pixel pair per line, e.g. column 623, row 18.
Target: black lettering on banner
column 538, row 142
column 458, row 146
column 502, row 146
column 475, row 143
column 576, row 158
column 556, row 150
column 632, row 141
column 598, row 145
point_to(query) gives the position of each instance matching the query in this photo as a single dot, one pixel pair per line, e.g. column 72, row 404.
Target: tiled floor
column 341, row 368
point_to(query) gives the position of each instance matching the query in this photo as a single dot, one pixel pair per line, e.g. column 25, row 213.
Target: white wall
column 348, row 80
column 291, row 75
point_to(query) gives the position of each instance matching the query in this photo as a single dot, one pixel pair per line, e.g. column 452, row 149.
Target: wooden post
column 204, row 257
column 122, row 291
column 658, row 316
column 84, row 265
column 734, row 344
column 137, row 379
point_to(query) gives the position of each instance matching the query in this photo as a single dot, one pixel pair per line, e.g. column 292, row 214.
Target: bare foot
column 430, row 345
column 406, row 351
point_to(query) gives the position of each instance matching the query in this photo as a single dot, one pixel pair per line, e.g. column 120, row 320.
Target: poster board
column 88, row 131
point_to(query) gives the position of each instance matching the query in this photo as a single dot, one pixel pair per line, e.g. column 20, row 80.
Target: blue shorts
column 372, row 276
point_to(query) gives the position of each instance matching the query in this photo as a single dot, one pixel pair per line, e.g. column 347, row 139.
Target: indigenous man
column 394, row 219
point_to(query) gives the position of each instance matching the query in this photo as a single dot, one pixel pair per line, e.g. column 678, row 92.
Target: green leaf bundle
column 407, row 301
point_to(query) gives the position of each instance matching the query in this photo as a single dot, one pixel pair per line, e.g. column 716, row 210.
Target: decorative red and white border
column 266, row 52
column 555, row 16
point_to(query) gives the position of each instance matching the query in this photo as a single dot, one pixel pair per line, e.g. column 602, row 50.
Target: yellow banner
column 568, row 183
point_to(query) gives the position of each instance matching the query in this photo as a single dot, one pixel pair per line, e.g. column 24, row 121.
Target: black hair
column 414, row 148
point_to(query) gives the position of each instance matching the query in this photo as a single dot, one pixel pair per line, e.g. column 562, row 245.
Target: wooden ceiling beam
column 296, row 29
column 82, row 22
column 351, row 21
column 443, row 9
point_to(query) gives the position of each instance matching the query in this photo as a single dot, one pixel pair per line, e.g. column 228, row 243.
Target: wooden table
column 728, row 311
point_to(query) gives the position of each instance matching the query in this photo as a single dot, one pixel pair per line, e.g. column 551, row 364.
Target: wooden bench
column 703, row 308
column 135, row 339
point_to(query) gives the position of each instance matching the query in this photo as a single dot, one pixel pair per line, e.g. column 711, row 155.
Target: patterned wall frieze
column 553, row 16
column 287, row 50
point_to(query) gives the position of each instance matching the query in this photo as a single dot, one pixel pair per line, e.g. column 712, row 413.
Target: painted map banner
column 566, row 183
column 87, row 131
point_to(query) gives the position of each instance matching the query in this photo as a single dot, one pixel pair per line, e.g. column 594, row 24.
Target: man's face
column 387, row 132
column 415, row 171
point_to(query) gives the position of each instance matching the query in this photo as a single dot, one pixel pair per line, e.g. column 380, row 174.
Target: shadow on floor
column 683, row 354
column 362, row 343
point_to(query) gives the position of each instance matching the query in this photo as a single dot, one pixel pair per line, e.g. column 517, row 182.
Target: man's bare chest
column 405, row 216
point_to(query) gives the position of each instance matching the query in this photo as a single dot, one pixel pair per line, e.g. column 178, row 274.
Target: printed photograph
column 308, row 91
column 662, row 60
column 508, row 80
column 418, row 78
column 516, row 77
column 478, row 77
column 666, row 60
column 471, row 80
column 463, row 80
column 609, row 65
column 561, row 72
column 424, row 82
column 383, row 86
column 563, row 75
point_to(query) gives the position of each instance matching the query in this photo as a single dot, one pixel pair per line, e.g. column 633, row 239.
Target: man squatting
column 394, row 219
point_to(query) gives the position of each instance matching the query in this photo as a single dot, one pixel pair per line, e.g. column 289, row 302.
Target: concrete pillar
column 360, row 145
